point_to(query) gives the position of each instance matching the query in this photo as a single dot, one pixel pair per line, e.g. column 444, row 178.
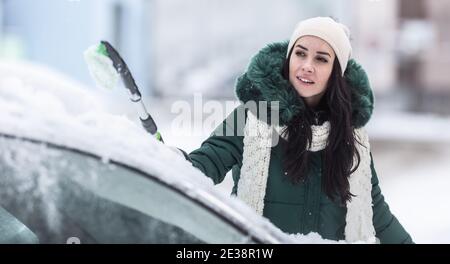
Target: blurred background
column 178, row 48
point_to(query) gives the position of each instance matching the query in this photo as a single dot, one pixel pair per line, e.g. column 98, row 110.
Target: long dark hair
column 338, row 156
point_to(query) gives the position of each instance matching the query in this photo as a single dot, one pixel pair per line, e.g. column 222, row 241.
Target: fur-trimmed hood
column 263, row 81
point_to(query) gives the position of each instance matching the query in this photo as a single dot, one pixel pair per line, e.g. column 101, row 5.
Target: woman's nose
column 307, row 67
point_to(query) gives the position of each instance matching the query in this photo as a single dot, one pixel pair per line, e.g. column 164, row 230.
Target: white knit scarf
column 255, row 167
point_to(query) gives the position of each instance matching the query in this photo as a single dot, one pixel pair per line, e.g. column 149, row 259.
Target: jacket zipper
column 305, row 208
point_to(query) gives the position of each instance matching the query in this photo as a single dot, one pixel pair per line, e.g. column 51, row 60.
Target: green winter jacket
column 300, row 208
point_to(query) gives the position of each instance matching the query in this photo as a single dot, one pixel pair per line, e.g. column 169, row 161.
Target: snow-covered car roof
column 39, row 104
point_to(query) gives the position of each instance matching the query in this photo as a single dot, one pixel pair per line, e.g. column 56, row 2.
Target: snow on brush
column 101, row 68
column 62, row 112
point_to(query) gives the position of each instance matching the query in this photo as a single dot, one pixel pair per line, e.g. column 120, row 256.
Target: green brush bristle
column 158, row 136
column 102, row 49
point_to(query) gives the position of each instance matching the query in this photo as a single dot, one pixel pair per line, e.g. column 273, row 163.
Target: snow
column 406, row 126
column 313, row 238
column 101, row 68
column 423, row 207
column 414, row 178
column 412, row 163
column 32, row 76
column 41, row 188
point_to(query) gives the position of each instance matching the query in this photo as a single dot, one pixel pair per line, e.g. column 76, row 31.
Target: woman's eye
column 300, row 53
column 321, row 59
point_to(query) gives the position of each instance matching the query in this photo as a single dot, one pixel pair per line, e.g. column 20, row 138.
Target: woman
column 321, row 177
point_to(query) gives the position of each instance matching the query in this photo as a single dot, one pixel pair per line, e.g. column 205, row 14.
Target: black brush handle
column 122, row 68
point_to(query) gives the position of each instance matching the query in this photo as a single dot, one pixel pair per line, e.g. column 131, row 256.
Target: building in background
column 405, row 47
column 433, row 57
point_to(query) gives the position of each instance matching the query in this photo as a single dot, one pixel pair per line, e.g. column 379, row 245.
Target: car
column 71, row 172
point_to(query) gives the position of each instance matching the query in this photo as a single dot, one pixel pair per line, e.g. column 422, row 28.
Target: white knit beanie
column 334, row 33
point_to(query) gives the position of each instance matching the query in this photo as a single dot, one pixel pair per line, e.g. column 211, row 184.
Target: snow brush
column 106, row 65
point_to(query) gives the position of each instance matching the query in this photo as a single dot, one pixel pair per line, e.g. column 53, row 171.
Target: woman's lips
column 305, row 81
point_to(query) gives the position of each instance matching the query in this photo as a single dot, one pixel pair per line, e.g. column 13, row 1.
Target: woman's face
column 310, row 67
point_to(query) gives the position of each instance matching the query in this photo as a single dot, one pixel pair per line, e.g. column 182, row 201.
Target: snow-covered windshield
column 60, row 194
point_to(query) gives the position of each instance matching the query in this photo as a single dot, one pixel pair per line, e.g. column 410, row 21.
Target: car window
column 67, row 196
column 13, row 231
